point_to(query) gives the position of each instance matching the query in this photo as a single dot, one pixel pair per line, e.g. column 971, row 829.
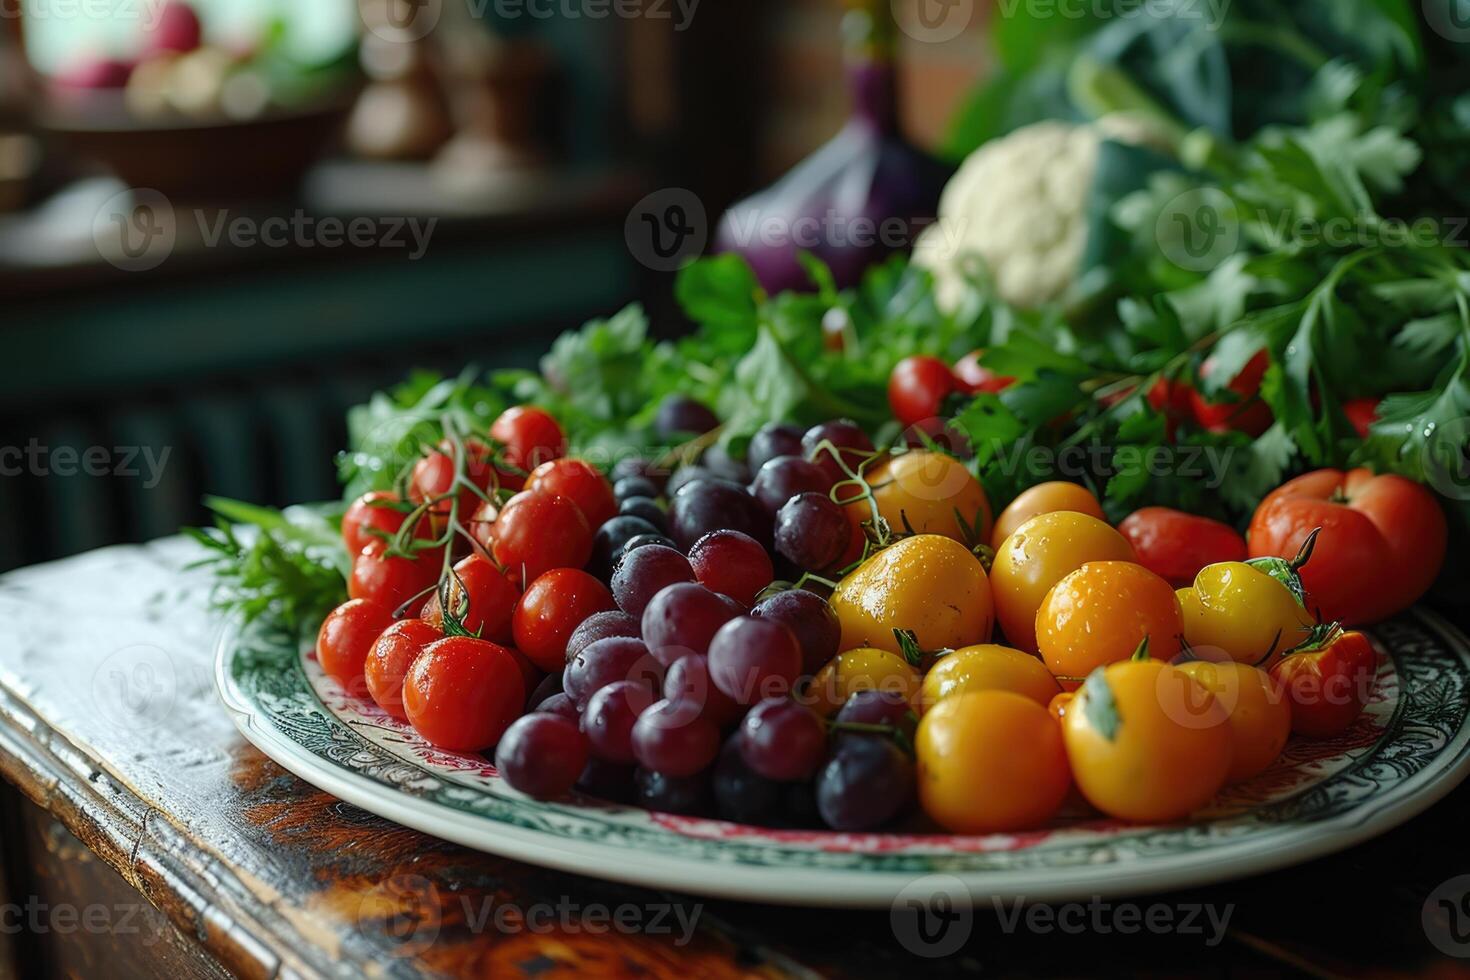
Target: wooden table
column 129, row 783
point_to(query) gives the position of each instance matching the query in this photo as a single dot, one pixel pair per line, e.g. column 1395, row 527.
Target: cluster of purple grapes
column 688, row 698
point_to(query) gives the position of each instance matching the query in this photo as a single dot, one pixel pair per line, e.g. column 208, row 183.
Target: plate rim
column 852, row 888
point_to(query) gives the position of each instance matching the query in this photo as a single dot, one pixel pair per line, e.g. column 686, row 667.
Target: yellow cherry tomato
column 1242, row 611
column 1059, row 705
column 990, row 762
column 1038, row 555
column 988, row 667
column 1259, row 713
column 865, row 669
column 1140, row 756
column 1101, row 613
column 1044, row 498
column 930, row 584
column 925, row 490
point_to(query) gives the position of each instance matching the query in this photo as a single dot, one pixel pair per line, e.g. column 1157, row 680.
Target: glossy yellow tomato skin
column 990, row 762
column 925, row 488
column 1060, row 704
column 864, row 669
column 1159, row 762
column 1259, row 713
column 1038, row 555
column 1242, row 611
column 988, row 667
column 1044, row 498
column 930, row 584
column 1100, row 614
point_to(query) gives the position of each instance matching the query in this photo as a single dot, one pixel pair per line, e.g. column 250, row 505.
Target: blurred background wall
column 184, row 307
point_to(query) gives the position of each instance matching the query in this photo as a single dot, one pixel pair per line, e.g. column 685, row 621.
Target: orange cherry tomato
column 1328, row 683
column 1038, row 555
column 1044, row 498
column 1101, row 614
column 1260, row 716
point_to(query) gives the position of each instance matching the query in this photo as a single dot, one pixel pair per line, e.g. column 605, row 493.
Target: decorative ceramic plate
column 1410, row 747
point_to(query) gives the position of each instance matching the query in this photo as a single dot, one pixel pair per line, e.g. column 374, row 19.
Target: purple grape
column 783, row 740
column 732, row 564
column 874, row 707
column 812, row 531
column 645, row 572
column 644, row 540
column 673, row 794
column 785, row 477
column 610, row 717
column 613, row 660
column 542, row 755
column 774, row 439
column 688, row 681
column 741, row 795
column 682, row 415
column 751, row 659
column 637, row 466
column 682, row 619
column 611, row 538
column 799, row 805
column 811, row 619
column 686, row 475
column 866, row 783
column 600, row 626
column 607, row 780
column 562, row 704
column 647, row 509
column 550, row 685
column 848, row 437
column 674, row 738
column 704, row 506
column 718, row 461
column 635, row 486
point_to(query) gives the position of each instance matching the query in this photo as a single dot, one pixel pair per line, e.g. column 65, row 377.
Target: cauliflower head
column 1015, row 213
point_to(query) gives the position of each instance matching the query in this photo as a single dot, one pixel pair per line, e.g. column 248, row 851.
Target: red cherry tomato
column 975, row 377
column 390, row 658
column 1247, row 413
column 393, row 581
column 374, row 511
column 434, row 475
column 1175, row 545
column 917, row 388
column 461, row 694
column 346, row 636
column 1328, row 685
column 553, row 606
column 581, row 483
column 492, row 599
column 530, row 437
column 1172, row 400
column 536, row 532
column 1383, row 540
column 1362, row 413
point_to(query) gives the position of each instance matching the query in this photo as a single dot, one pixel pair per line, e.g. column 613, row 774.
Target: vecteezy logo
column 1446, row 917
column 402, row 20
column 135, row 687
column 1450, row 19
column 1198, row 229
column 666, row 229
column 933, row 916
column 135, row 230
column 401, row 915
column 1447, row 458
column 933, row 21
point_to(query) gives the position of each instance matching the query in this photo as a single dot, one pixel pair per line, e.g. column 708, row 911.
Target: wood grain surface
column 109, row 725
